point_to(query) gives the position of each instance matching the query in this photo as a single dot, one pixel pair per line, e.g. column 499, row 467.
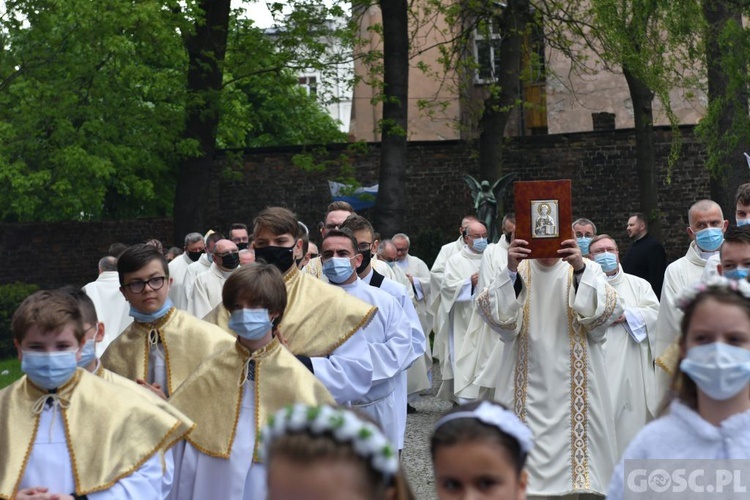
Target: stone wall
column 601, row 166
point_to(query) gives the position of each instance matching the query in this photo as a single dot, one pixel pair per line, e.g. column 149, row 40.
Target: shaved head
column 703, row 206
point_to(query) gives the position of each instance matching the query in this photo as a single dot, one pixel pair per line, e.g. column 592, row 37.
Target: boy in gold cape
column 164, row 345
column 231, row 395
column 63, row 428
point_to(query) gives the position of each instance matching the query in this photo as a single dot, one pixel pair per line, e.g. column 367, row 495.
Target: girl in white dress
column 479, row 451
column 326, row 453
column 709, row 412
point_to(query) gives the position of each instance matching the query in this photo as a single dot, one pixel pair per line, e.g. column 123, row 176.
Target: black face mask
column 231, row 260
column 366, row 258
column 242, row 246
column 194, row 256
column 508, row 237
column 297, row 262
column 281, row 257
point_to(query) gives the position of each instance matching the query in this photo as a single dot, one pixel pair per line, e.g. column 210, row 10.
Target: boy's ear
column 99, row 336
column 19, row 351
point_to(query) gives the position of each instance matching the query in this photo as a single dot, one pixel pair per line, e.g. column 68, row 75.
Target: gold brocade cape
column 110, row 376
column 212, row 396
column 319, row 317
column 108, row 436
column 185, row 340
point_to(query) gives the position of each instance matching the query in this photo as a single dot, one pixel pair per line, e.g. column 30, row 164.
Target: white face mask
column 719, row 370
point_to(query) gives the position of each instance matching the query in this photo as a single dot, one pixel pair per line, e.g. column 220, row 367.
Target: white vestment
column 347, row 372
column 553, row 372
column 418, row 375
column 111, row 307
column 712, row 268
column 436, row 281
column 684, row 435
column 630, row 367
column 207, row 291
column 679, row 275
column 49, row 466
column 481, row 346
column 452, row 320
column 178, row 270
column 199, row 476
column 199, row 266
column 389, row 338
column 418, row 343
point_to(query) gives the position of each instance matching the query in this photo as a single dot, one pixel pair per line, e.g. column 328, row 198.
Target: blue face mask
column 154, row 316
column 88, row 353
column 743, row 222
column 719, row 370
column 250, row 324
column 737, row 274
column 49, row 370
column 607, row 260
column 583, row 244
column 709, row 239
column 480, row 244
column 338, row 269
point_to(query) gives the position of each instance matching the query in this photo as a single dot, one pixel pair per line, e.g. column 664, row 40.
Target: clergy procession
column 272, row 361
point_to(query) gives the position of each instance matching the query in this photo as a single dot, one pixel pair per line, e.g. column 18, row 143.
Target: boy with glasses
column 164, row 345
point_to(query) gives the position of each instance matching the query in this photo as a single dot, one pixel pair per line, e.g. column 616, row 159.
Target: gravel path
column 416, row 455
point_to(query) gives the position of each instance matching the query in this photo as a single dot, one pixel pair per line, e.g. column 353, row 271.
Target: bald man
column 706, row 230
column 208, row 285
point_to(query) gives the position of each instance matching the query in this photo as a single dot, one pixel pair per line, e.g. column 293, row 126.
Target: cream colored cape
column 96, row 418
column 186, row 341
column 212, row 396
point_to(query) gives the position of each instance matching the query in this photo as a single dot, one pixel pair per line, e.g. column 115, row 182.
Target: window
column 310, row 84
column 487, row 52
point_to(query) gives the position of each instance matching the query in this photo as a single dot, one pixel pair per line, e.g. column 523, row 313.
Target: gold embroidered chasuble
column 108, row 436
column 184, row 340
column 212, row 396
column 319, row 317
column 553, row 371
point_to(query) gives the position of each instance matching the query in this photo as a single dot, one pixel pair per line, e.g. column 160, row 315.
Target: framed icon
column 546, row 223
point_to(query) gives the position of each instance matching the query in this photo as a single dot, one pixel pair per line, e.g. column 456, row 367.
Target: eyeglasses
column 401, row 250
column 331, row 227
column 364, row 246
column 154, row 283
column 314, row 255
column 602, row 250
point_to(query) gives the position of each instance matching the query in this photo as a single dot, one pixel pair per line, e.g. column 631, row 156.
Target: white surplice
column 679, row 275
column 199, row 266
column 436, row 281
column 630, row 368
column 49, row 466
column 481, row 346
column 178, row 270
column 389, row 338
column 418, row 343
column 418, row 375
column 199, row 476
column 111, row 307
column 553, row 373
column 452, row 320
column 207, row 291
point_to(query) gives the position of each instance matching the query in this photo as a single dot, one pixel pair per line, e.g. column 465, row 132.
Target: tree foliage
column 93, row 102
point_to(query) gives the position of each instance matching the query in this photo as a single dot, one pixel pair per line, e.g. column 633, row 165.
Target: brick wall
column 601, row 166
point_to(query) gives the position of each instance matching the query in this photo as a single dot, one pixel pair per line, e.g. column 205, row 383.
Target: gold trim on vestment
column 579, row 404
column 93, row 422
column 610, row 304
column 212, row 396
column 185, row 342
column 483, row 303
column 670, row 358
column 522, row 347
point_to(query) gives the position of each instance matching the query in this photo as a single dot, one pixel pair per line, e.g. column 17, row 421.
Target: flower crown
column 366, row 439
column 496, row 416
column 690, row 293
